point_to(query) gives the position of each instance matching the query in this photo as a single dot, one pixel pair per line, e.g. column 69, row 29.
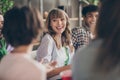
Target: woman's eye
column 53, row 20
column 62, row 19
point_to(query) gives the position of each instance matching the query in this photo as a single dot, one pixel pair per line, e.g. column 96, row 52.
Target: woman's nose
column 59, row 21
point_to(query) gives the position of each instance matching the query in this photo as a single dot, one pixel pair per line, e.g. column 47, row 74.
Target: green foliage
column 95, row 2
column 5, row 5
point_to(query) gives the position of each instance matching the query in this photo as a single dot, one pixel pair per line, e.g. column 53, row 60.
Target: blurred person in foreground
column 100, row 60
column 21, row 28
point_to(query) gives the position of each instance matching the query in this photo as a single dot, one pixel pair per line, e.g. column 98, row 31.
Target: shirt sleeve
column 44, row 51
column 74, row 37
column 79, row 37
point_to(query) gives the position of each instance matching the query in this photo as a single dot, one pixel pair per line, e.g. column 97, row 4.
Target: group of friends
column 91, row 51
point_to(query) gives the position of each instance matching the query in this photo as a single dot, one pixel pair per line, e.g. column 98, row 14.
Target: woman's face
column 58, row 24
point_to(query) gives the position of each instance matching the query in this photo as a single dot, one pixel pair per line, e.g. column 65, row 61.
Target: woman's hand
column 49, row 66
column 56, row 71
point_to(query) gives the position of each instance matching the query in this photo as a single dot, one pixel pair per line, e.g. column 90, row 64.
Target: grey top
column 83, row 64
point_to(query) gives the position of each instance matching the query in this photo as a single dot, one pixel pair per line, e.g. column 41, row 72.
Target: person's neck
column 58, row 40
column 58, row 37
column 92, row 29
column 22, row 49
column 85, row 25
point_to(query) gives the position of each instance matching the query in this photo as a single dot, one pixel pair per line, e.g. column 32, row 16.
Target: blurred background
column 71, row 7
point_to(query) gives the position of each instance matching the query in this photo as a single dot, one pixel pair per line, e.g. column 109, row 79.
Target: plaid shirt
column 80, row 36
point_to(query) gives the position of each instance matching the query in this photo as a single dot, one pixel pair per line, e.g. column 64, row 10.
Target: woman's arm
column 56, row 71
column 45, row 49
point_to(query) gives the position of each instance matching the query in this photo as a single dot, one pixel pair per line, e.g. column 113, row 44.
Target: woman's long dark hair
column 108, row 29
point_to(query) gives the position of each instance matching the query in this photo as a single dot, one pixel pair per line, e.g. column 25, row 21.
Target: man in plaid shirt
column 82, row 35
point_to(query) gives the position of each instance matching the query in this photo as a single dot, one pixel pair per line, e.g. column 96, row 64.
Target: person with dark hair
column 3, row 44
column 56, row 44
column 100, row 60
column 82, row 35
column 21, row 28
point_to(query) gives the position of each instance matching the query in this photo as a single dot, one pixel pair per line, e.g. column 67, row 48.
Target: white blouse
column 48, row 52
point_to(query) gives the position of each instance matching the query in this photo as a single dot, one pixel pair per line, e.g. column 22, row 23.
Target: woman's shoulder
column 47, row 36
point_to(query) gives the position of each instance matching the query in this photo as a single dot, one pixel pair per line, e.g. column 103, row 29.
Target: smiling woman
column 56, row 43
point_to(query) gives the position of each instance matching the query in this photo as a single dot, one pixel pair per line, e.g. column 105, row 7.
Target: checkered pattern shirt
column 80, row 36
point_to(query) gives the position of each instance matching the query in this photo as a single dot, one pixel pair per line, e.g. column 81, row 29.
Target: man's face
column 91, row 18
column 1, row 24
column 1, row 21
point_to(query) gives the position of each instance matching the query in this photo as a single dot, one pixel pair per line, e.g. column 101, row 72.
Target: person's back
column 83, row 64
column 21, row 67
